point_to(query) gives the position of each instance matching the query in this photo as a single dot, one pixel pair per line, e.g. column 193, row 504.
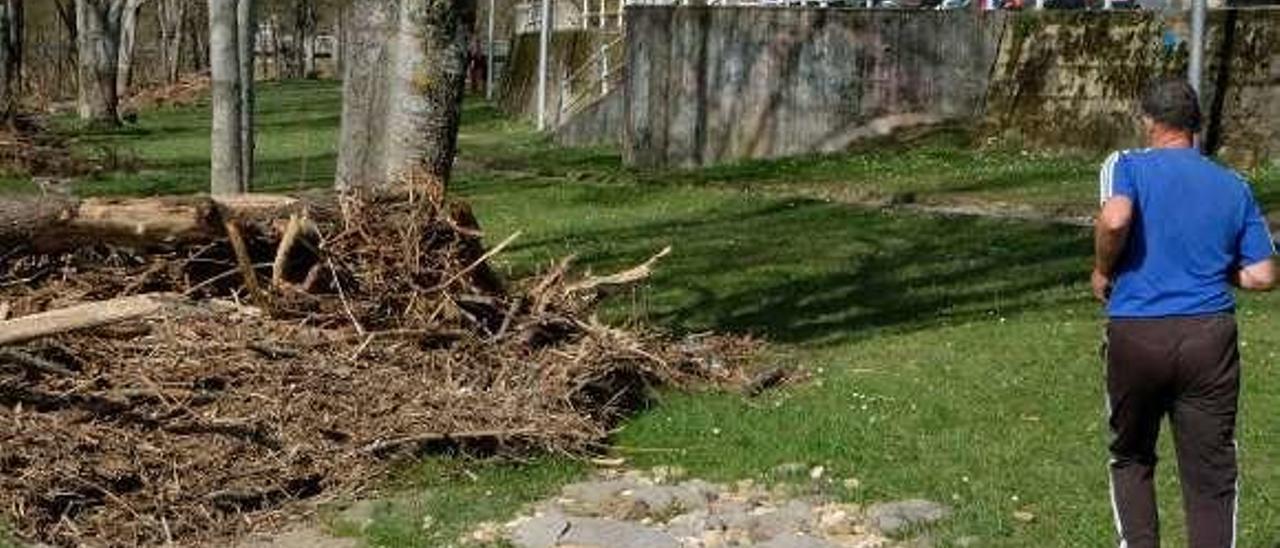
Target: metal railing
column 601, row 73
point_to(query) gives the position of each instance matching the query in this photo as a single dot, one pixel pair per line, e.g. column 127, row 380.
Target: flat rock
column 795, row 540
column 792, row 517
column 542, row 531
column 894, row 517
column 552, row 531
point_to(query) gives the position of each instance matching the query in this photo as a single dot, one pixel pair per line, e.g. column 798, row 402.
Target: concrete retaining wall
column 714, row 85
column 711, row 85
column 1071, row 81
column 600, row 123
column 566, row 85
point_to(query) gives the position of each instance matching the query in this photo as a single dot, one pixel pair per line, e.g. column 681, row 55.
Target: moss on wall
column 1071, row 80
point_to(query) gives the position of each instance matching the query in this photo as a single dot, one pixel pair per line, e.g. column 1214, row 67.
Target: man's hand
column 1260, row 276
column 1101, row 286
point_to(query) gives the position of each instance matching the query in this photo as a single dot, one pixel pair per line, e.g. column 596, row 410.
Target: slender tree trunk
column 197, row 27
column 277, row 47
column 226, row 176
column 128, row 39
column 10, row 60
column 246, row 36
column 403, row 92
column 340, row 41
column 97, row 37
column 17, row 35
column 309, row 56
column 170, row 17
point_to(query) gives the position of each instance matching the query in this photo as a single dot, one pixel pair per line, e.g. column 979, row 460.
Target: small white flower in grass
column 817, row 472
column 1014, row 498
column 715, row 431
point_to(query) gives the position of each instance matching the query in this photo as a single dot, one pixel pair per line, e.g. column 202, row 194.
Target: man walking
column 1176, row 231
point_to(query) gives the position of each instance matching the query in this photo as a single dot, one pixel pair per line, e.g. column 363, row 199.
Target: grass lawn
column 954, row 358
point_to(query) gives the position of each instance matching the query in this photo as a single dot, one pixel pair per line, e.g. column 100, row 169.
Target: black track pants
column 1188, row 369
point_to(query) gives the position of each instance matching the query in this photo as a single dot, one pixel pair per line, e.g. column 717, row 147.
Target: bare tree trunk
column 403, row 100
column 170, row 16
column 309, row 56
column 427, row 87
column 10, row 59
column 128, row 39
column 277, row 47
column 340, row 40
column 246, row 36
column 97, row 37
column 199, row 38
column 365, row 95
column 226, row 172
column 304, row 25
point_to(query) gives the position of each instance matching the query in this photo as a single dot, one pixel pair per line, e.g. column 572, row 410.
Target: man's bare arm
column 1110, row 232
column 1260, row 276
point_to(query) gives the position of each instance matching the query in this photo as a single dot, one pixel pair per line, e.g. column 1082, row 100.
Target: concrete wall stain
column 715, row 85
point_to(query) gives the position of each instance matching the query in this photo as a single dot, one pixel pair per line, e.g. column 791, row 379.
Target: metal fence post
column 544, row 48
column 488, row 69
column 604, row 70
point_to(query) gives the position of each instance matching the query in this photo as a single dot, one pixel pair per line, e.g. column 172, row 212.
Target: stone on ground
column 624, row 510
column 894, row 517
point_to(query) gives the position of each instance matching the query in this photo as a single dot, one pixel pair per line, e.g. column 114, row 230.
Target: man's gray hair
column 1173, row 103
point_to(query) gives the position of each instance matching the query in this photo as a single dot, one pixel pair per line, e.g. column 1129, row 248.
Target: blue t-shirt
column 1195, row 222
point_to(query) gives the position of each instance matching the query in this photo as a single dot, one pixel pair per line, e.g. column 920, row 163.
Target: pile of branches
column 29, row 149
column 210, row 386
column 185, row 92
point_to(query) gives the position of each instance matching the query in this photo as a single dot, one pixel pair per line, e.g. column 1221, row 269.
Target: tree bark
column 304, row 25
column 128, row 39
column 427, row 87
column 97, row 47
column 170, row 16
column 246, row 36
column 403, row 100
column 56, row 224
column 226, row 175
column 10, row 59
column 199, row 38
column 84, row 316
column 365, row 95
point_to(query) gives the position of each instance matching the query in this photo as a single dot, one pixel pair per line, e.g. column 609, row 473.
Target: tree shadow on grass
column 812, row 272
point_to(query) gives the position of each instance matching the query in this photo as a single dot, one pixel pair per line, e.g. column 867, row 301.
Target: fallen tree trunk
column 54, row 224
column 84, row 316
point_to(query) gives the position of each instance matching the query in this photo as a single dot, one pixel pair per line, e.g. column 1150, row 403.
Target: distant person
column 1176, row 231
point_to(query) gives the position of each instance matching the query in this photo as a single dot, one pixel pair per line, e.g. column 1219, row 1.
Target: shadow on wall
column 710, row 85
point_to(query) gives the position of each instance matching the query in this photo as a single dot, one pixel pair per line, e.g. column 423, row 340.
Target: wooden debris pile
column 28, row 149
column 191, row 369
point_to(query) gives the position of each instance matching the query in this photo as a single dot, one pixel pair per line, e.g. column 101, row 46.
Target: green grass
column 953, row 358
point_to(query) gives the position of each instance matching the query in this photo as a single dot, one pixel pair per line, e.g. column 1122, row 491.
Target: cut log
column 53, row 224
column 84, row 316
